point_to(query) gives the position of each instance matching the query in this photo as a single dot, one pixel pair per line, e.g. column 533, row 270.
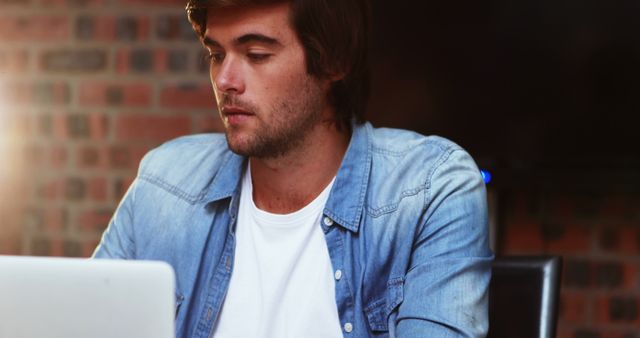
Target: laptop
column 78, row 298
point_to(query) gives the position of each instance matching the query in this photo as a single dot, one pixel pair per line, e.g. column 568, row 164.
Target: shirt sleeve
column 117, row 240
column 446, row 286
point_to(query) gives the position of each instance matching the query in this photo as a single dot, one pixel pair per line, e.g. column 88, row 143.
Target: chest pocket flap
column 378, row 310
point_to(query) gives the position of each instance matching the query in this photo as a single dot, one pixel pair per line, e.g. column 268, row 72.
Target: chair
column 523, row 297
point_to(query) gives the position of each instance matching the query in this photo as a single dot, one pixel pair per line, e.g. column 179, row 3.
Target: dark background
column 537, row 91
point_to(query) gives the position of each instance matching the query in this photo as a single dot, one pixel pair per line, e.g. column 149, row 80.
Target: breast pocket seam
column 378, row 311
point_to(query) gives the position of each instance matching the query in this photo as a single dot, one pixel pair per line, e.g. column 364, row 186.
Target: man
column 302, row 221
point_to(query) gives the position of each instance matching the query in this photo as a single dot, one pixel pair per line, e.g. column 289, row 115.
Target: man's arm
column 446, row 287
column 117, row 240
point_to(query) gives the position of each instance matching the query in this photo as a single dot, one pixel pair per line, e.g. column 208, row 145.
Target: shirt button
column 328, row 221
column 338, row 274
column 348, row 327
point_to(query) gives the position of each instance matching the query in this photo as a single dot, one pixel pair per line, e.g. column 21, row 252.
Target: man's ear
column 335, row 77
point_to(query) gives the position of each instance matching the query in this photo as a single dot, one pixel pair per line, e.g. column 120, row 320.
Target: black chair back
column 523, row 296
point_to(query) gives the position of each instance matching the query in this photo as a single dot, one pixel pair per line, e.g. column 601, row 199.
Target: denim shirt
column 405, row 224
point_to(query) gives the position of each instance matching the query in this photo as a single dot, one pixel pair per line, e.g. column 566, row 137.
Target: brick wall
column 86, row 88
column 597, row 231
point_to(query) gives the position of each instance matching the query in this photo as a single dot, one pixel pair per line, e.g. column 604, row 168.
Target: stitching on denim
column 388, row 152
column 190, row 198
column 426, row 141
column 445, row 156
column 389, row 208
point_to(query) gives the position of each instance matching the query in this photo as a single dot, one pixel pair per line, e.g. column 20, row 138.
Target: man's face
column 267, row 101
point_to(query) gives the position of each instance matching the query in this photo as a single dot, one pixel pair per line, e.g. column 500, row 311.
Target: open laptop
column 78, row 298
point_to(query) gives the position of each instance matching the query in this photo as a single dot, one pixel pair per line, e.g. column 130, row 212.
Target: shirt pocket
column 378, row 310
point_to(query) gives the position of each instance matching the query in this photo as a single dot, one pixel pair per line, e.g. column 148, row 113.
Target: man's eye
column 215, row 57
column 258, row 57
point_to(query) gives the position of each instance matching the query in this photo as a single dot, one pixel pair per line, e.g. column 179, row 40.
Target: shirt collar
column 346, row 199
column 228, row 178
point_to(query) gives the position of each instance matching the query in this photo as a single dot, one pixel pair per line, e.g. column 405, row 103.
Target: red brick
column 51, row 190
column 136, row 94
column 104, row 28
column 93, row 94
column 630, row 277
column 99, row 126
column 576, row 239
column 15, row 93
column 151, row 128
column 562, row 208
column 137, row 153
column 13, row 61
column 11, row 234
column 188, row 96
column 34, row 28
column 573, row 307
column 59, row 125
column 121, row 185
column 605, row 308
column 564, row 332
column 208, row 123
column 58, row 156
column 15, row 188
column 144, row 27
column 602, row 309
column 11, row 245
column 14, row 125
column 89, row 246
column 56, row 247
column 615, row 206
column 127, row 156
column 60, row 93
column 73, row 60
column 176, row 3
column 629, row 331
column 15, row 3
column 161, row 57
column 519, row 208
column 55, row 219
column 94, row 220
column 34, row 155
column 69, row 3
column 89, row 157
column 628, row 241
column 97, row 189
column 119, row 157
column 133, row 28
column 157, row 62
column 522, row 238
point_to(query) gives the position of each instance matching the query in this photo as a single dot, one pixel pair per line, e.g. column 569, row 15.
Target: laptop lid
column 70, row 297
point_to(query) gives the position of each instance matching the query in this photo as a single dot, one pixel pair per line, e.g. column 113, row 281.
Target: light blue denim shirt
column 405, row 223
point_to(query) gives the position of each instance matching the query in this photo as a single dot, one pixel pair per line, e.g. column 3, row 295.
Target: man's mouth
column 228, row 110
column 235, row 115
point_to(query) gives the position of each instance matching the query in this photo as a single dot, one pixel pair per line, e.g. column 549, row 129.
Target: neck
column 289, row 182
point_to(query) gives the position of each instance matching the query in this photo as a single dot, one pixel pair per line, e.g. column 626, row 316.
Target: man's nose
column 228, row 76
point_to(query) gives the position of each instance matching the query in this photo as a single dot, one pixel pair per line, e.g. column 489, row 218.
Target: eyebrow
column 244, row 39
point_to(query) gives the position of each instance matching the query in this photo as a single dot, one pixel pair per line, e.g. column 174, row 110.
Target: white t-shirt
column 282, row 282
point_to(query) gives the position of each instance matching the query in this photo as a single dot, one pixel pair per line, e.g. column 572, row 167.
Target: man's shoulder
column 405, row 163
column 410, row 146
column 188, row 163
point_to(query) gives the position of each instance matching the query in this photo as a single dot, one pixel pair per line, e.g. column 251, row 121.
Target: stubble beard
column 291, row 121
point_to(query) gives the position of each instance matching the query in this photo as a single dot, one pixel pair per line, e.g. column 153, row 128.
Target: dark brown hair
column 335, row 38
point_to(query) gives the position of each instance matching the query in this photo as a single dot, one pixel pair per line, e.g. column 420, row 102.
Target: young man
column 302, row 221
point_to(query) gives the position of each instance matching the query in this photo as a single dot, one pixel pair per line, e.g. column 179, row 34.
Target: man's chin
column 237, row 145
